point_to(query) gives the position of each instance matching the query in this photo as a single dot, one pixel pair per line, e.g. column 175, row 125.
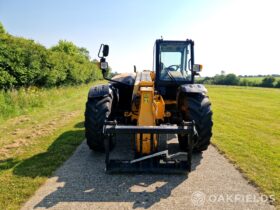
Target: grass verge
column 34, row 145
column 247, row 130
column 25, row 100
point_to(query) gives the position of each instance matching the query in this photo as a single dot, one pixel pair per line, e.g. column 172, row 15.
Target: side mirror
column 105, row 50
column 197, row 68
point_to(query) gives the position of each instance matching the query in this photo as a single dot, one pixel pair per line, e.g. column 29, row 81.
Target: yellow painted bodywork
column 146, row 117
column 159, row 105
column 147, row 109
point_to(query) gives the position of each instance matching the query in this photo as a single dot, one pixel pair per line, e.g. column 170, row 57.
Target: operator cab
column 173, row 63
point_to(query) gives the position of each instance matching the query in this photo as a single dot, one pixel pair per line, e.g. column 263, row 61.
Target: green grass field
column 36, row 140
column 244, row 81
column 25, row 101
column 247, row 130
column 257, row 80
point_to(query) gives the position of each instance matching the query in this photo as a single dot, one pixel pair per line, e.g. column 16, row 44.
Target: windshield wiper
column 171, row 76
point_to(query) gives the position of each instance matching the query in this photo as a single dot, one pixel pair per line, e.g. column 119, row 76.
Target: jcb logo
column 146, row 98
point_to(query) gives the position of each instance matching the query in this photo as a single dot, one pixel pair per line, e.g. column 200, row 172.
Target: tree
column 2, row 29
column 219, row 79
column 231, row 79
column 277, row 84
column 66, row 47
column 267, row 81
column 83, row 51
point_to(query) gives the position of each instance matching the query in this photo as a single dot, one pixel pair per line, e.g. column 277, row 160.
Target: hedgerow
column 25, row 63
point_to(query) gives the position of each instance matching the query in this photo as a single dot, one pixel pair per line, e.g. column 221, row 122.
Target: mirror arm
column 101, row 46
column 102, row 59
column 111, row 80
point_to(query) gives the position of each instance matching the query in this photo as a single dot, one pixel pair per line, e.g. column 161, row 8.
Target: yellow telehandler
column 149, row 105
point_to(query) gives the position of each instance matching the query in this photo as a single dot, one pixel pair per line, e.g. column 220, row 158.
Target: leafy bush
column 2, row 29
column 247, row 82
column 229, row 79
column 24, row 63
column 268, row 81
column 277, row 84
column 232, row 79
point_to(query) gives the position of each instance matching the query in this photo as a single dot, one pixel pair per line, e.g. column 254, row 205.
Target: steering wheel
column 173, row 67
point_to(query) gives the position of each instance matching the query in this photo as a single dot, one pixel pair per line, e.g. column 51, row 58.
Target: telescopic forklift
column 148, row 105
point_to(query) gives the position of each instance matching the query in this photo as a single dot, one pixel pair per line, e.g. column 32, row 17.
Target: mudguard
column 192, row 88
column 125, row 78
column 99, row 90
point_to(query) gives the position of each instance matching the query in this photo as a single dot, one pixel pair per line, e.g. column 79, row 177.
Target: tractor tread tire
column 97, row 112
column 198, row 108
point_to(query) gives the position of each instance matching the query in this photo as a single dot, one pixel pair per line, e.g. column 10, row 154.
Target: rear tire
column 97, row 112
column 197, row 107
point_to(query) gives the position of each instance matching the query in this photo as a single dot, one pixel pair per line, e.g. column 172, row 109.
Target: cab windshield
column 175, row 62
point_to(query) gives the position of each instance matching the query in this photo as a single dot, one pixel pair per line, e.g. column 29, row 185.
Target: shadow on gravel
column 84, row 180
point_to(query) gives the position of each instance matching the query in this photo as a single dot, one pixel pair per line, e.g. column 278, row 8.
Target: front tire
column 97, row 112
column 197, row 107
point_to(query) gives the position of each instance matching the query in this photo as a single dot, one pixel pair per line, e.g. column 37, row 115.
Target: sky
column 235, row 36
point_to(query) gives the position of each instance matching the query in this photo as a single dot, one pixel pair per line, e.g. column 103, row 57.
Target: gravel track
column 81, row 183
